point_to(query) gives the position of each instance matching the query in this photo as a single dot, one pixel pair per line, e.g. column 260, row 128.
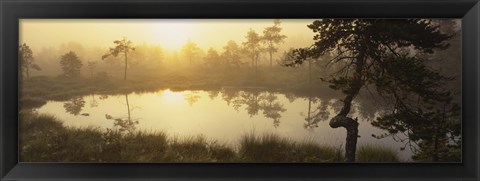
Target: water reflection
column 272, row 108
column 224, row 114
column 93, row 101
column 103, row 97
column 192, row 97
column 74, row 106
column 124, row 124
column 255, row 101
column 314, row 116
column 213, row 94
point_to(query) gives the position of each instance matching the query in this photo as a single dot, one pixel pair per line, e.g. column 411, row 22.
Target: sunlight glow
column 173, row 35
column 170, row 34
column 173, row 97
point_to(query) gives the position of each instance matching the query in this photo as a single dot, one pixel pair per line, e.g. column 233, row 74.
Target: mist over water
column 326, row 90
column 218, row 116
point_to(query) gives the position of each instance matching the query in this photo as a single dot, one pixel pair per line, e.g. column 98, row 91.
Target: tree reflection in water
column 213, row 94
column 271, row 107
column 321, row 109
column 124, row 124
column 316, row 115
column 74, row 106
column 192, row 97
column 254, row 102
column 93, row 102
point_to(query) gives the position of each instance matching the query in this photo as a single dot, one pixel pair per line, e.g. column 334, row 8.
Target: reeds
column 43, row 138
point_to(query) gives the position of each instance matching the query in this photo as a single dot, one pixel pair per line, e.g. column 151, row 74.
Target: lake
column 224, row 115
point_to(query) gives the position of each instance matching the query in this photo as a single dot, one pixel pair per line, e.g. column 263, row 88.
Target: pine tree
column 370, row 52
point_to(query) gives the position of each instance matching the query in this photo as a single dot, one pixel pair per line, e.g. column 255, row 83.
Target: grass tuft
column 273, row 148
column 43, row 138
column 377, row 154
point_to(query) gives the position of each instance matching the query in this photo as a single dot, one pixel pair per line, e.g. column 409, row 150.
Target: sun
column 173, row 35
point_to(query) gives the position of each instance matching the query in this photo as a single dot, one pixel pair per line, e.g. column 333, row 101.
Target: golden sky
column 171, row 34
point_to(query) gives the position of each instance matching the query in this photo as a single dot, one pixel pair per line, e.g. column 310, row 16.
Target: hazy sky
column 171, row 34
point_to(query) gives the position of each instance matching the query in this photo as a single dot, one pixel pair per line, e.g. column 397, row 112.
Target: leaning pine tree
column 364, row 50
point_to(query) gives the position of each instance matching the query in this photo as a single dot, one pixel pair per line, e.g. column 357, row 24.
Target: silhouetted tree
column 371, row 51
column 232, row 54
column 91, row 66
column 423, row 113
column 272, row 38
column 123, row 46
column 288, row 57
column 253, row 47
column 151, row 55
column 433, row 134
column 71, row 65
column 25, row 56
column 212, row 59
column 156, row 55
column 190, row 50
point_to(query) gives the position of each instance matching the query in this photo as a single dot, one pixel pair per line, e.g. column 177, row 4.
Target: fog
column 389, row 83
column 90, row 39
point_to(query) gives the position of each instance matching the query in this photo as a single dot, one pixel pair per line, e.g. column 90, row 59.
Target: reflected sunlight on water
column 222, row 115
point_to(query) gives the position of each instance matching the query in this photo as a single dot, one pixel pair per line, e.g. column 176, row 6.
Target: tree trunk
column 270, row 59
column 351, row 125
column 125, row 74
column 341, row 119
column 309, row 71
column 309, row 108
column 256, row 67
column 128, row 107
column 28, row 74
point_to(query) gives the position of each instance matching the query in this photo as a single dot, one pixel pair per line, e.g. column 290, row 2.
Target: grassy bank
column 376, row 154
column 43, row 88
column 43, row 138
column 272, row 148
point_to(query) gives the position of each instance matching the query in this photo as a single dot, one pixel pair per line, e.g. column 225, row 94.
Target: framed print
column 239, row 90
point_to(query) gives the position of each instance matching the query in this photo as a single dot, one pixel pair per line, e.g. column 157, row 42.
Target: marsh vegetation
column 328, row 90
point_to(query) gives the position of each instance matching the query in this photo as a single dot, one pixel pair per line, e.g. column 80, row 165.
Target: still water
column 223, row 115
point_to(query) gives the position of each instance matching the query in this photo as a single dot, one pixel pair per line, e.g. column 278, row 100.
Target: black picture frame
column 13, row 10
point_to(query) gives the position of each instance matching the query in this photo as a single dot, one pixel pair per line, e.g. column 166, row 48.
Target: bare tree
column 91, row 66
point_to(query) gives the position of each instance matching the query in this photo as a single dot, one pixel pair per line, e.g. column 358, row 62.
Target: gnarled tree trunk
column 341, row 119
